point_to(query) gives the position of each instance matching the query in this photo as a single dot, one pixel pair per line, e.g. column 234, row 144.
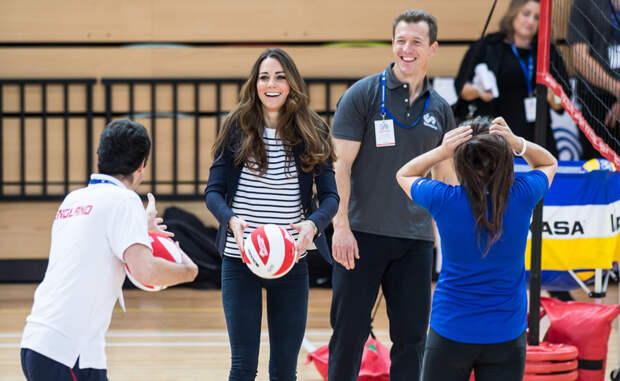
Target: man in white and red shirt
column 97, row 230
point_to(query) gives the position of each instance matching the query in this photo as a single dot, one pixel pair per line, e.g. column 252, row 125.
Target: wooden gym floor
column 180, row 334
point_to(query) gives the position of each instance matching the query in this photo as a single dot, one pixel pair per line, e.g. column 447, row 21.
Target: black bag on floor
column 198, row 241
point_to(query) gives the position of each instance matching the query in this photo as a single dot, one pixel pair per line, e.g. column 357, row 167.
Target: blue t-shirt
column 480, row 299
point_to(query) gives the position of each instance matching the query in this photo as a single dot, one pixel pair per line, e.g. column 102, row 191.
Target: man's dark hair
column 123, row 146
column 415, row 16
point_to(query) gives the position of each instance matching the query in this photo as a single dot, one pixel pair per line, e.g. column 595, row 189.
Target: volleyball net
column 580, row 39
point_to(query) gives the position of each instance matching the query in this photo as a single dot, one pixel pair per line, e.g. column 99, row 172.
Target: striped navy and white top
column 273, row 198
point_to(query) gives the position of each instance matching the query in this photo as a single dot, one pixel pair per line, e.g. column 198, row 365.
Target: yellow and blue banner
column 581, row 219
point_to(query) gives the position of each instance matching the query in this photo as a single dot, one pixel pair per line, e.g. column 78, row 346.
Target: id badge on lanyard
column 384, row 133
column 384, row 129
column 529, row 103
column 530, row 109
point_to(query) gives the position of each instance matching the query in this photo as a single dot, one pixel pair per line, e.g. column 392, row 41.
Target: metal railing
column 23, row 115
column 202, row 98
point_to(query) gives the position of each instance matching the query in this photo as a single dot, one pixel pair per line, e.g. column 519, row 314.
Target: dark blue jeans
column 448, row 360
column 402, row 267
column 287, row 310
column 37, row 367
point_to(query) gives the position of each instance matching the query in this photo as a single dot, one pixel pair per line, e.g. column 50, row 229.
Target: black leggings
column 448, row 360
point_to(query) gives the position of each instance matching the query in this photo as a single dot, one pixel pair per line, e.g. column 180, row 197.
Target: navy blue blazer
column 222, row 186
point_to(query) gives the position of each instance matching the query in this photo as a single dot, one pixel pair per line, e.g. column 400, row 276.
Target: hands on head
column 454, row 138
column 501, row 128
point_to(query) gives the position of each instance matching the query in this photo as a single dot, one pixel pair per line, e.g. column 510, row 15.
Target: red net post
column 544, row 41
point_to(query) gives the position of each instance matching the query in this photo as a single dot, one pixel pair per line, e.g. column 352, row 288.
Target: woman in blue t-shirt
column 478, row 317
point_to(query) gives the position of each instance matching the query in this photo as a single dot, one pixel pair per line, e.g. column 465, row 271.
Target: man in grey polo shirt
column 380, row 236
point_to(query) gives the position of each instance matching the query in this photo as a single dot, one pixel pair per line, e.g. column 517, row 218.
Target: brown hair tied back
column 484, row 166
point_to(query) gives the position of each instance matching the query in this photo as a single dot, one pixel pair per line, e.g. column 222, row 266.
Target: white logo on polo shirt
column 430, row 121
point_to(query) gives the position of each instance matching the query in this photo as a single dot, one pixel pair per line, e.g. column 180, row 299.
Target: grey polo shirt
column 377, row 205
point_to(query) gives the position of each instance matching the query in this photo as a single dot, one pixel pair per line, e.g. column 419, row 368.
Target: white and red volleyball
column 269, row 251
column 163, row 247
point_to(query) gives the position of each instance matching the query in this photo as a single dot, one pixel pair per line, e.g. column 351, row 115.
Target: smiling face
column 412, row 49
column 272, row 85
column 525, row 23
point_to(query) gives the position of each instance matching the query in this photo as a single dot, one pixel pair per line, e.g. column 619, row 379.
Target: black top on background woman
column 510, row 55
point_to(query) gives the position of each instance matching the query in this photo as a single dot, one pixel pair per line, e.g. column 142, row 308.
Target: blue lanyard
column 385, row 111
column 101, row 181
column 528, row 71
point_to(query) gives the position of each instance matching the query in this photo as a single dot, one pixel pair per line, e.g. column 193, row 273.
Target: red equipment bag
column 375, row 361
column 320, row 357
column 586, row 326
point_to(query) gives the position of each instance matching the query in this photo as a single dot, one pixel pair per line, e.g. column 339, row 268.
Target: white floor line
column 309, row 346
column 174, row 344
column 166, row 334
column 114, row 333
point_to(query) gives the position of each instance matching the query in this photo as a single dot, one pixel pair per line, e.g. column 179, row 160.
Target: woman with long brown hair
column 270, row 153
column 478, row 317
